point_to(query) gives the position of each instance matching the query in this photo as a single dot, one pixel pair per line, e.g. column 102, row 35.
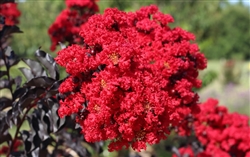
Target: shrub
column 129, row 82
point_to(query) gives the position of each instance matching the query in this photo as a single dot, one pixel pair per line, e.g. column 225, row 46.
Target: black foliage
column 6, row 1
column 48, row 62
column 35, row 102
column 7, row 30
column 5, row 33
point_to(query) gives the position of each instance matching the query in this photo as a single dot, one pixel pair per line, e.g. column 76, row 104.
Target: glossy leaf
column 35, row 67
column 27, row 73
column 4, row 103
column 41, row 81
column 5, row 138
column 49, row 63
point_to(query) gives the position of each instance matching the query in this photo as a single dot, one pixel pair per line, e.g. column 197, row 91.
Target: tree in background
column 229, row 34
column 221, row 28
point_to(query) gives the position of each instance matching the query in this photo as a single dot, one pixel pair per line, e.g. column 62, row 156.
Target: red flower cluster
column 68, row 24
column 10, row 12
column 221, row 133
column 132, row 79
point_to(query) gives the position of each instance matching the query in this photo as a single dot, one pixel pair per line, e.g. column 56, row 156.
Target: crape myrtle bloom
column 132, row 78
column 64, row 29
column 68, row 23
column 222, row 133
column 10, row 12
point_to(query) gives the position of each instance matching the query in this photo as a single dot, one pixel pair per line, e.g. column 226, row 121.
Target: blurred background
column 221, row 27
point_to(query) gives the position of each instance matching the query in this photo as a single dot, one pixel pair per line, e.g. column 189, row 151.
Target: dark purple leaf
column 3, row 125
column 34, row 123
column 18, row 153
column 46, row 124
column 35, row 67
column 25, row 136
column 53, row 90
column 7, row 30
column 49, row 63
column 168, row 148
column 41, row 81
column 5, row 138
column 19, row 93
column 57, row 122
column 30, row 96
column 27, row 73
column 5, row 102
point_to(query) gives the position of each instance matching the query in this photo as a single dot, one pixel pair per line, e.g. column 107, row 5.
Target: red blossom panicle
column 135, row 75
column 10, row 12
column 68, row 23
column 220, row 131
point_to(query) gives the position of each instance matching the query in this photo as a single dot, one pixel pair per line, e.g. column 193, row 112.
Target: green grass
column 235, row 97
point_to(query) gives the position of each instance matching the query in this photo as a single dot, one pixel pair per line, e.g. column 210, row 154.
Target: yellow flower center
column 103, row 84
column 147, row 106
column 166, row 65
column 140, row 135
column 114, row 58
column 97, row 107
